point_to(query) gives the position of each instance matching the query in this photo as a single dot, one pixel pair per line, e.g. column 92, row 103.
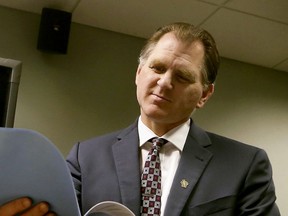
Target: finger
column 39, row 209
column 51, row 214
column 13, row 207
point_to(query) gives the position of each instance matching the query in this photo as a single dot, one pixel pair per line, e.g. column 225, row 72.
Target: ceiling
column 252, row 31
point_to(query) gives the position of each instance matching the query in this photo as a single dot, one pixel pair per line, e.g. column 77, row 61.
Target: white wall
column 91, row 91
column 71, row 97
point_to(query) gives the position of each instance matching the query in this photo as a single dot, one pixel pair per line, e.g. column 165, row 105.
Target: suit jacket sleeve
column 75, row 170
column 102, row 170
column 257, row 196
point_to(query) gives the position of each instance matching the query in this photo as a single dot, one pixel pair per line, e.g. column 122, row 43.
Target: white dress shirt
column 169, row 154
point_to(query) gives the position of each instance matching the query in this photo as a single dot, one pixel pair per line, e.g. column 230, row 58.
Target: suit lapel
column 126, row 156
column 193, row 162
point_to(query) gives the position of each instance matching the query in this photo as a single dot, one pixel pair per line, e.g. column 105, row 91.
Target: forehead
column 171, row 49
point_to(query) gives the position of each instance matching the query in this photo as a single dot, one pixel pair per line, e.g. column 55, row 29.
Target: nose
column 165, row 80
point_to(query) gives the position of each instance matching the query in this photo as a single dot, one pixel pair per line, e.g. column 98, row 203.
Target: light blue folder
column 30, row 165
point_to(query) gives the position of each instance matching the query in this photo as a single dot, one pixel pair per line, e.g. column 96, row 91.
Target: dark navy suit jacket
column 225, row 177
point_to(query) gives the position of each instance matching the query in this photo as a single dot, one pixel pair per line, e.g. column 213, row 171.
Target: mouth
column 161, row 98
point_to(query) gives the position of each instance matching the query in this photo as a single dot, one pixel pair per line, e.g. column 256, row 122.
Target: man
column 202, row 173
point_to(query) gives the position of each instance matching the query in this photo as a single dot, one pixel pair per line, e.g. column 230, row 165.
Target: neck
column 161, row 128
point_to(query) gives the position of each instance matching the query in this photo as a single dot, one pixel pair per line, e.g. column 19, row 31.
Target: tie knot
column 158, row 142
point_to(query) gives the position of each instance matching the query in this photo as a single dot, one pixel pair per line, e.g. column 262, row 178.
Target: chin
column 159, row 117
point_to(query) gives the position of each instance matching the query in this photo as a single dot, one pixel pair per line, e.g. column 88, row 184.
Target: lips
column 161, row 98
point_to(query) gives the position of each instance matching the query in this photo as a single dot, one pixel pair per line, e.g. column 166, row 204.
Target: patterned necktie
column 151, row 180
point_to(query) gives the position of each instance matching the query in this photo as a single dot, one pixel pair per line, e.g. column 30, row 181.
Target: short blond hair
column 188, row 33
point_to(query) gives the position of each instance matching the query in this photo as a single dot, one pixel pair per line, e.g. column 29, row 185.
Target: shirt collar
column 177, row 136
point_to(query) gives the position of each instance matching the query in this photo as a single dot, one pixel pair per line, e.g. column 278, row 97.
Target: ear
column 206, row 94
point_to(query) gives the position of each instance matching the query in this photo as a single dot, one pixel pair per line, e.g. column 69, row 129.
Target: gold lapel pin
column 184, row 183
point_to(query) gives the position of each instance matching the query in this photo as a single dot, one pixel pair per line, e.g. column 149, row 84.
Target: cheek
column 142, row 84
column 192, row 97
column 145, row 80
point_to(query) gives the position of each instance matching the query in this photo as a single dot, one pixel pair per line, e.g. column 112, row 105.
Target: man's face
column 169, row 85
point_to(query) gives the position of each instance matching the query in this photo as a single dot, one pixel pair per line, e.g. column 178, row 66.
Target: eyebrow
column 157, row 62
column 188, row 73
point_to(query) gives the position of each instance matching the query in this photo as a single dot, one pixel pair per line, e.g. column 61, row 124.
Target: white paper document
column 110, row 208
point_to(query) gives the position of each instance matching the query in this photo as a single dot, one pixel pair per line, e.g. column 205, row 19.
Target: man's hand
column 25, row 207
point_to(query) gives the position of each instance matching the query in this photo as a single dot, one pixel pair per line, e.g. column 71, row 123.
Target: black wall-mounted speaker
column 54, row 31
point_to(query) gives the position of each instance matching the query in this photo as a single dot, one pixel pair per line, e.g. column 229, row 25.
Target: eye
column 182, row 79
column 158, row 68
column 185, row 77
